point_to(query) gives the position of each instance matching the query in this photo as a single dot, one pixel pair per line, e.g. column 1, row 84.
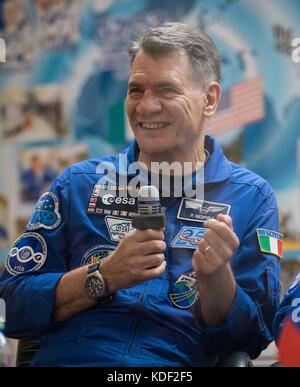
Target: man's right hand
column 138, row 257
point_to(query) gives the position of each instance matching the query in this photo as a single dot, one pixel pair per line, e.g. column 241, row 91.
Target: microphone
column 149, row 211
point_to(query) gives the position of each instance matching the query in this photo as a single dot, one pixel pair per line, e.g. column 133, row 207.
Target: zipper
column 137, row 322
column 167, row 226
column 140, row 304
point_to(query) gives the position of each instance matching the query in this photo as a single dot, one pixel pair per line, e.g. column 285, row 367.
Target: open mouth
column 154, row 125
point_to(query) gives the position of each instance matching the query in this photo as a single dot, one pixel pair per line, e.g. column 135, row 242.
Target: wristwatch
column 95, row 285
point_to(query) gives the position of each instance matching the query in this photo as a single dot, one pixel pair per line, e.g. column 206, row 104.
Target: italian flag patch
column 270, row 241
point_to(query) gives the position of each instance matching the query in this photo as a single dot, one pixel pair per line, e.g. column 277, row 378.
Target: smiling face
column 165, row 107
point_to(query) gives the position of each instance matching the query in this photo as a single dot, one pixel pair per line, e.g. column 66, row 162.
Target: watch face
column 94, row 286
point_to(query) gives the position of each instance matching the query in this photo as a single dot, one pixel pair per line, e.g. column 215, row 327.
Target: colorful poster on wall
column 38, row 166
column 67, row 68
column 57, row 23
column 18, row 32
column 35, row 114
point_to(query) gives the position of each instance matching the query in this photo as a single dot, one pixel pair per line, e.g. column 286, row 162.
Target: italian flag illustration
column 270, row 241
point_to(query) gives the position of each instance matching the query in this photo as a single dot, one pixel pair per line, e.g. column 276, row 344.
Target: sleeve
column 289, row 307
column 35, row 264
column 248, row 326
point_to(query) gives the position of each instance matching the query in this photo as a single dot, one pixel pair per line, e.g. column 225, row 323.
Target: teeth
column 154, row 125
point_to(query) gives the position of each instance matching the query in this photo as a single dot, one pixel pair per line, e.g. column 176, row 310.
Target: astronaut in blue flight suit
column 98, row 293
column 289, row 308
column 287, row 327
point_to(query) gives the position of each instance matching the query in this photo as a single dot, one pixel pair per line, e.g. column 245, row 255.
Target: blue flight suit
column 289, row 308
column 152, row 323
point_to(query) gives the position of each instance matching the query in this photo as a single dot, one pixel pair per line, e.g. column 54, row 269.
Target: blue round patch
column 46, row 214
column 184, row 291
column 96, row 253
column 28, row 253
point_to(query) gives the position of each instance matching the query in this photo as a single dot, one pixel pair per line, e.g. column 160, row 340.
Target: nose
column 148, row 104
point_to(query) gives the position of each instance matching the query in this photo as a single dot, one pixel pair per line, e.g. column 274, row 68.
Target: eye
column 167, row 92
column 135, row 92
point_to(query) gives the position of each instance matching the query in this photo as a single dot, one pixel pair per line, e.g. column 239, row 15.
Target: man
column 36, row 178
column 180, row 296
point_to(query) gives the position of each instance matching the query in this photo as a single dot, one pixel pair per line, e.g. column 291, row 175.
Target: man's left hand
column 217, row 247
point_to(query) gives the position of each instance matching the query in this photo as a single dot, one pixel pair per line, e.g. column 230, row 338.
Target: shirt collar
column 218, row 168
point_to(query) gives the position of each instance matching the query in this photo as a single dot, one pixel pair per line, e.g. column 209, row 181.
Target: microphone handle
column 154, row 221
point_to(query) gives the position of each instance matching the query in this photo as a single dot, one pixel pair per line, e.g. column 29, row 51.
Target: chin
column 153, row 150
column 153, row 146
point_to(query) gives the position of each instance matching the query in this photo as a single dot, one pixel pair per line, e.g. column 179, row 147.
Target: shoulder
column 252, row 183
column 91, row 166
column 243, row 176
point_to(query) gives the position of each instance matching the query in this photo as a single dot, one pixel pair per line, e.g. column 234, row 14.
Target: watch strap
column 93, row 267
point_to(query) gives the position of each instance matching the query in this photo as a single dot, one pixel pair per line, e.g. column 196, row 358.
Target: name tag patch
column 200, row 210
column 188, row 237
column 117, row 227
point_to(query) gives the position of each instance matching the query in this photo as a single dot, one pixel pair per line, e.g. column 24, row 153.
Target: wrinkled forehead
column 172, row 67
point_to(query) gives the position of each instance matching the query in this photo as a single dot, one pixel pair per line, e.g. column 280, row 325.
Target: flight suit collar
column 218, row 168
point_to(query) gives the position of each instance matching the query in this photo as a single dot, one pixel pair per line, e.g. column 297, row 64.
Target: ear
column 213, row 94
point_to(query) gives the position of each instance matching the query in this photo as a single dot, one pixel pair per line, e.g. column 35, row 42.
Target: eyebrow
column 168, row 84
column 134, row 84
column 159, row 85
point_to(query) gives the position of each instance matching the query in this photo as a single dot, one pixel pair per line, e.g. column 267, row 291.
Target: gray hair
column 171, row 37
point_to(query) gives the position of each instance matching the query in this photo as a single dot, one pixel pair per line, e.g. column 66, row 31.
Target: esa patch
column 270, row 241
column 117, row 227
column 200, row 210
column 96, row 253
column 184, row 291
column 188, row 237
column 113, row 200
column 46, row 214
column 28, row 253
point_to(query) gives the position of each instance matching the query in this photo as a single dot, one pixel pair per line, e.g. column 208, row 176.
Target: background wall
column 63, row 86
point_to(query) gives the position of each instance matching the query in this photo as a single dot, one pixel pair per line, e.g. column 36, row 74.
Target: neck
column 192, row 156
